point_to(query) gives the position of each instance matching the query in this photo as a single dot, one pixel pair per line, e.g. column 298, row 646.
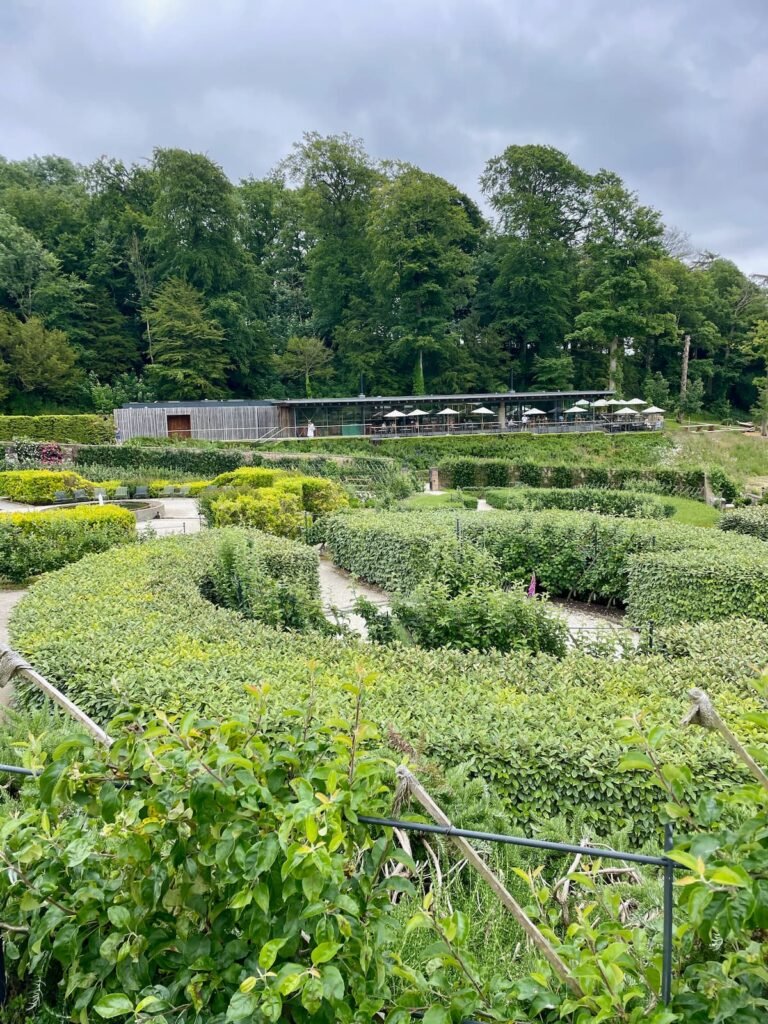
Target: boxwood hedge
column 589, row 499
column 32, row 543
column 39, row 486
column 571, row 553
column 475, row 472
column 84, row 429
column 202, row 462
column 752, row 520
column 131, row 626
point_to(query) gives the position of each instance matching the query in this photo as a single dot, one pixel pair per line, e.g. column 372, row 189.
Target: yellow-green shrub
column 32, row 543
column 268, row 509
column 247, row 476
column 39, row 486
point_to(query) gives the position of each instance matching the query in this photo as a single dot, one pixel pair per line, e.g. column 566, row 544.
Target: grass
column 692, row 513
column 446, row 499
column 742, row 456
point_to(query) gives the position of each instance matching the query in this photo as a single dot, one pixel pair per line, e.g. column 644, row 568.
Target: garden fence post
column 666, row 967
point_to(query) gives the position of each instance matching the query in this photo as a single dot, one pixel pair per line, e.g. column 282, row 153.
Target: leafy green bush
column 247, row 476
column 131, row 627
column 203, row 462
column 398, row 551
column 482, row 618
column 203, row 871
column 270, row 509
column 691, row 586
column 265, row 578
column 752, row 520
column 32, row 543
column 481, row 472
column 39, row 486
column 605, row 502
column 79, row 429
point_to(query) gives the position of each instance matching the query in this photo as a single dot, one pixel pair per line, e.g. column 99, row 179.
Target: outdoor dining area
column 410, row 416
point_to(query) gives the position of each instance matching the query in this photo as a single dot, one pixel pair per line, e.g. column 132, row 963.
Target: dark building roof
column 489, row 396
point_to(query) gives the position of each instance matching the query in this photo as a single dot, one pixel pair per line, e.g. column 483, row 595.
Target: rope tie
column 10, row 664
column 702, row 711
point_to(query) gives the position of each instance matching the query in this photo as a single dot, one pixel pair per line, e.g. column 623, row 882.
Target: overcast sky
column 671, row 94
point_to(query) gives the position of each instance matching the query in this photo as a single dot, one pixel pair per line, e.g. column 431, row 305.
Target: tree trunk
column 684, row 375
column 613, row 363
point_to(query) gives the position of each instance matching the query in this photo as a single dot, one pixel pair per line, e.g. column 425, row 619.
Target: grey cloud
column 671, row 94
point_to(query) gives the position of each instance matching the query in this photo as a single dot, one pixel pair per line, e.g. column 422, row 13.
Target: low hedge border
column 752, row 521
column 79, row 429
column 571, row 553
column 200, row 462
column 130, row 627
column 32, row 543
column 606, row 502
column 473, row 472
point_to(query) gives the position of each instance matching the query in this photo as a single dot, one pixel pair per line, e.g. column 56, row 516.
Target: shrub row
column 695, row 586
column 752, row 520
column 589, row 499
column 471, row 472
column 626, row 449
column 131, row 627
column 573, row 554
column 32, row 543
column 79, row 429
column 202, row 462
column 39, row 486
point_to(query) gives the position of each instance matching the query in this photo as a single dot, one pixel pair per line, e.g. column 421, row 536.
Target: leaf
column 636, row 761
column 242, row 1005
column 324, row 952
column 116, row 1004
column 437, row 1015
column 728, row 876
column 120, row 917
column 269, row 952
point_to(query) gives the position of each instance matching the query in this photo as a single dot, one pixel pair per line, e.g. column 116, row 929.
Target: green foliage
column 689, row 586
column 481, row 618
column 32, row 543
column 270, row 509
column 268, row 579
column 605, row 502
column 39, row 486
column 475, row 472
column 84, row 429
column 246, row 476
column 751, row 520
column 201, row 462
column 236, row 850
column 398, row 551
column 534, row 727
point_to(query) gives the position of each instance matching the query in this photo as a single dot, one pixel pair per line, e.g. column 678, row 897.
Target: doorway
column 179, row 426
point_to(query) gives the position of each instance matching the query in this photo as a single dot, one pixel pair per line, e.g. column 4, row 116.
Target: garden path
column 179, row 515
column 340, row 590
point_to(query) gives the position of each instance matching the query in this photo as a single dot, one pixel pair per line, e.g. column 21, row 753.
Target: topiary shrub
column 32, row 543
column 76, row 429
column 247, row 476
column 39, row 486
column 752, row 520
column 268, row 509
column 691, row 586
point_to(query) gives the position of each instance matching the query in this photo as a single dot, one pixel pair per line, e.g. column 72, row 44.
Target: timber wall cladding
column 217, row 423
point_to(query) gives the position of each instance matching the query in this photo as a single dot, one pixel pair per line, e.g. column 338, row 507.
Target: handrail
column 12, row 665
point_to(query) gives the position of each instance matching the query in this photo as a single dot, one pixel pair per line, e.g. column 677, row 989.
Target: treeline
column 338, row 273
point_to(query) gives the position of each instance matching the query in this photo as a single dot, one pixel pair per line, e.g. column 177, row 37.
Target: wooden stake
column 415, row 788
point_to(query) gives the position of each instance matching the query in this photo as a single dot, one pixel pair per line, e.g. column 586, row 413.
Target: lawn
column 742, row 456
column 693, row 513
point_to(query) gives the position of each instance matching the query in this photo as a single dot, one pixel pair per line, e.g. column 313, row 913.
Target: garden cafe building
column 380, row 416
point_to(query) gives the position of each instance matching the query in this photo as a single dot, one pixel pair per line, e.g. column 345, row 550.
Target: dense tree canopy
column 339, row 272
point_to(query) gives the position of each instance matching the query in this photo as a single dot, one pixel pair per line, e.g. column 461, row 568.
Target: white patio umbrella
column 600, row 404
column 581, row 401
column 482, row 411
column 535, row 412
column 626, row 412
column 447, row 412
column 575, row 410
column 636, row 401
column 417, row 413
column 394, row 415
column 616, row 401
column 652, row 410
